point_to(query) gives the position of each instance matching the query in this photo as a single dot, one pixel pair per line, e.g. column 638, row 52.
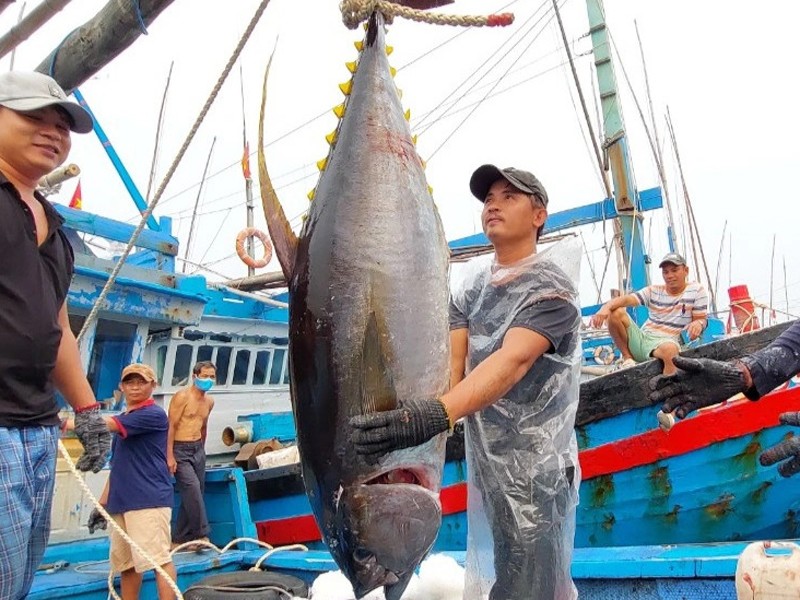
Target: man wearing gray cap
column 38, row 351
column 514, row 372
column 674, row 307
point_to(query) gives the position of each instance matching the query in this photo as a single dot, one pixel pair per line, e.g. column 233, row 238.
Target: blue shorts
column 27, row 477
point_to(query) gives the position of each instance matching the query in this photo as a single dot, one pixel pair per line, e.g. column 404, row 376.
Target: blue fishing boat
column 648, row 522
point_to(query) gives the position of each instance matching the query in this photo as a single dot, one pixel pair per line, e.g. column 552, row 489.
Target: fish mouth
column 404, row 475
column 389, row 520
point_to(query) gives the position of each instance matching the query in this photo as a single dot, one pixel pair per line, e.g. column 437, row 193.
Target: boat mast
column 248, row 180
column 626, row 197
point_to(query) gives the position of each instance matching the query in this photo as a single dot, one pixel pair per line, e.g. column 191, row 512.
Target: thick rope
column 154, row 202
column 355, row 12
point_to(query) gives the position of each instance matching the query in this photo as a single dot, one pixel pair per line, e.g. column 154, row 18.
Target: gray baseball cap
column 673, row 258
column 485, row 175
column 24, row 91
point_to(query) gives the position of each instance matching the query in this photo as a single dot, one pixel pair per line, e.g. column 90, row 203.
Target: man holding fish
column 514, row 366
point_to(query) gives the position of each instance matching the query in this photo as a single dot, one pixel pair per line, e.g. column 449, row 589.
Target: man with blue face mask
column 186, row 456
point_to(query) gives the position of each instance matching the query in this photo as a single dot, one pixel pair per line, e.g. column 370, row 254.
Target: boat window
column 193, row 335
column 286, row 376
column 260, row 371
column 220, row 337
column 183, row 364
column 280, row 341
column 204, row 353
column 277, row 366
column 240, row 367
column 223, row 361
column 161, row 359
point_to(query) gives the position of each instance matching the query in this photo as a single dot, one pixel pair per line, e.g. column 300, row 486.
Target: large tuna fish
column 368, row 328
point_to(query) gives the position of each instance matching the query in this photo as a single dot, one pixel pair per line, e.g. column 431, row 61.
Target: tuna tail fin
column 395, row 591
column 283, row 238
column 378, row 393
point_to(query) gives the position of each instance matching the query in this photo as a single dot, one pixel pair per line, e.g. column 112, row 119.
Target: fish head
column 387, row 524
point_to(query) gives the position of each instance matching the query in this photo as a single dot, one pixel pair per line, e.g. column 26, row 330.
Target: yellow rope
column 354, row 12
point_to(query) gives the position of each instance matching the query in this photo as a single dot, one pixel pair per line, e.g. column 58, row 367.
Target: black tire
column 244, row 585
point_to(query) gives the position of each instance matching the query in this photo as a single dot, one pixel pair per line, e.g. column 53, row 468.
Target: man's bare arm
column 459, row 343
column 493, row 377
column 68, row 373
column 176, row 407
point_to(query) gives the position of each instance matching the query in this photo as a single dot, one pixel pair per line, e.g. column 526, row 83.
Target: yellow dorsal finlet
column 389, row 50
column 430, row 190
column 339, row 110
column 414, row 139
column 351, row 66
column 321, row 164
column 346, row 87
column 359, row 45
column 392, row 71
column 311, row 195
column 331, row 137
column 408, row 115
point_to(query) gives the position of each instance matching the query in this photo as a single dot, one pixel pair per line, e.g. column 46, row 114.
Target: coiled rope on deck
column 355, row 12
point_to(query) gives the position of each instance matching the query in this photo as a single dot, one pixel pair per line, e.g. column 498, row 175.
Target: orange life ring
column 256, row 263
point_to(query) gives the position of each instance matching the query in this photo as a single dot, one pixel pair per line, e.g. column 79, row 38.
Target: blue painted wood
column 137, row 299
column 649, row 199
column 93, row 224
column 87, row 581
column 272, row 425
column 127, row 180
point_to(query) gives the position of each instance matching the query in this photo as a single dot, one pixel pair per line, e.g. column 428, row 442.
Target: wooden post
column 35, row 19
column 98, row 41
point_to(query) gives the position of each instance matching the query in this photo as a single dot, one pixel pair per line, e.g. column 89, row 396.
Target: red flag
column 77, row 198
column 246, row 161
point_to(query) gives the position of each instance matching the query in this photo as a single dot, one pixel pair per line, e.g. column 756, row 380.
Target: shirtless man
column 186, row 456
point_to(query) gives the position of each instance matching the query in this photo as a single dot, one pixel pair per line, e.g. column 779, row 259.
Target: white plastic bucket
column 768, row 570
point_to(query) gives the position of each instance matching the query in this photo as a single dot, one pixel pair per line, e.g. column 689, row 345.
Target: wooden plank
column 98, row 41
column 110, row 229
column 627, row 389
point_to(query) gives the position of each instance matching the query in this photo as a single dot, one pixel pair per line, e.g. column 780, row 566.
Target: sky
column 727, row 71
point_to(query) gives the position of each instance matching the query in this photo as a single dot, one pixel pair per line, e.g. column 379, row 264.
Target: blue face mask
column 203, row 384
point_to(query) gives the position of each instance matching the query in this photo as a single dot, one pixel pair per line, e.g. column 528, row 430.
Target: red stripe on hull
column 735, row 419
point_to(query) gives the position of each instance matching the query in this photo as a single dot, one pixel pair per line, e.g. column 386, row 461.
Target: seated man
column 674, row 307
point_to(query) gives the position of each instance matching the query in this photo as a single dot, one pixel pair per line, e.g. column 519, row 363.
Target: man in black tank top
column 38, row 351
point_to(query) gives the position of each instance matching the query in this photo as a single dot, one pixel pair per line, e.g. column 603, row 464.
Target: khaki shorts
column 642, row 343
column 148, row 527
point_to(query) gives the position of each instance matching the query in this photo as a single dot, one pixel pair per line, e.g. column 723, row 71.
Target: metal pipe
column 60, row 175
column 35, row 19
column 241, row 433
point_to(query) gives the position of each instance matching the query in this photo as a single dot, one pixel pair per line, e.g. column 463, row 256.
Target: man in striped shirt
column 674, row 307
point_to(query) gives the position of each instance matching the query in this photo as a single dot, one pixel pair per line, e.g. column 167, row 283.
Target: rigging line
column 719, row 258
column 93, row 313
column 690, row 209
column 197, row 203
column 159, row 134
column 522, row 35
column 464, row 120
column 598, row 156
column 461, row 32
column 216, row 235
column 591, row 263
column 474, row 90
column 609, row 249
column 494, row 95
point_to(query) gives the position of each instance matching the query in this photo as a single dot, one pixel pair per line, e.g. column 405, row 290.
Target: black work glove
column 96, row 521
column 699, row 382
column 414, row 423
column 789, row 448
column 93, row 433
